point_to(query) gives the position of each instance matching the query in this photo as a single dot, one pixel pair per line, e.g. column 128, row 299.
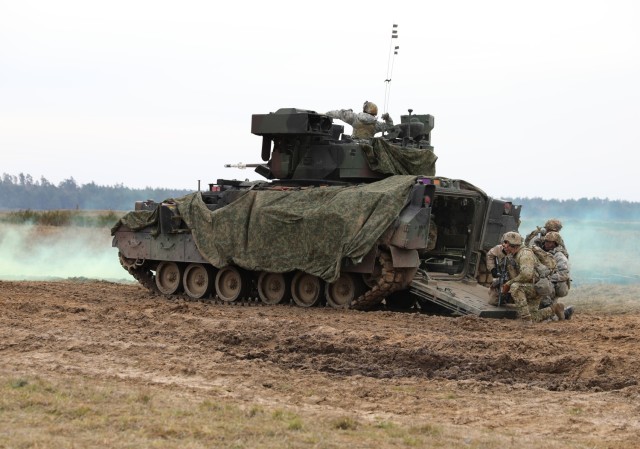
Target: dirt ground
column 555, row 384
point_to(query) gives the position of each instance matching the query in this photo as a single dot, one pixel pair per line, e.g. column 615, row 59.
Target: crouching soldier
column 560, row 278
column 522, row 273
column 496, row 258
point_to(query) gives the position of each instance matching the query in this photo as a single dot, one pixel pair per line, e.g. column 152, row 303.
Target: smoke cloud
column 599, row 252
column 49, row 252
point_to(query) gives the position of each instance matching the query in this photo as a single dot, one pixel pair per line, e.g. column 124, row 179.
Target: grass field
column 114, row 414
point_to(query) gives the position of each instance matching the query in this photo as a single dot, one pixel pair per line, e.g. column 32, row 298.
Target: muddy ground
column 555, row 384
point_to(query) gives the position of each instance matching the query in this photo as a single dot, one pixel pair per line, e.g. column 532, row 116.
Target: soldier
column 552, row 224
column 495, row 259
column 365, row 124
column 522, row 269
column 559, row 276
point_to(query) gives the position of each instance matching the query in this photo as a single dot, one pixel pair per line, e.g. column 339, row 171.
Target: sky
column 531, row 99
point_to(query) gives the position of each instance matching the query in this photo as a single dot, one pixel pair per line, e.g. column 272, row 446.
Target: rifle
column 502, row 278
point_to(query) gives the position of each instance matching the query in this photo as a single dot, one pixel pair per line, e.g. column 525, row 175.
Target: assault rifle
column 502, row 278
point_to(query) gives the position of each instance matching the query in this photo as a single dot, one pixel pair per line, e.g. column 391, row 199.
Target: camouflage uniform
column 495, row 256
column 560, row 276
column 552, row 224
column 365, row 125
column 522, row 273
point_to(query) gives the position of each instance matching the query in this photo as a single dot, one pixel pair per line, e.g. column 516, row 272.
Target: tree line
column 22, row 192
column 582, row 208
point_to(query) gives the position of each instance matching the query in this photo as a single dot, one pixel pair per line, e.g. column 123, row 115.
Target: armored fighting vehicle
column 338, row 221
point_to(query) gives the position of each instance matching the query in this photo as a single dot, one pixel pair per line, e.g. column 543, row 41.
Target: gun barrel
column 241, row 165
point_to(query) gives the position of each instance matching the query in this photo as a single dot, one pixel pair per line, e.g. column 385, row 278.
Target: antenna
column 393, row 51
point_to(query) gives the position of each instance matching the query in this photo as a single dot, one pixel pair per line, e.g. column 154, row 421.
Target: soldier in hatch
column 365, row 124
column 522, row 273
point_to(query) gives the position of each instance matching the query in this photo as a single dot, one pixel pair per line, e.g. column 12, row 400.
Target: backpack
column 546, row 263
column 545, row 266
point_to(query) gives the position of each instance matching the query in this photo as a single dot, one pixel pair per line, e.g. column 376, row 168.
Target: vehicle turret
column 299, row 144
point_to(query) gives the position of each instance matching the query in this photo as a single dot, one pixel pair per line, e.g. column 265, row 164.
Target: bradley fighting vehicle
column 343, row 222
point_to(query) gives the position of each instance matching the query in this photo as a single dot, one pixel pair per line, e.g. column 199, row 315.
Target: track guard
column 404, row 258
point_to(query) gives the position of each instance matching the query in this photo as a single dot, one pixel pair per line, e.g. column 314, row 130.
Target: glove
column 385, row 116
column 506, row 288
column 494, row 272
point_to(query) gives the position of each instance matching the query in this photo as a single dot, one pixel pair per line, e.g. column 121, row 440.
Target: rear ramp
column 459, row 297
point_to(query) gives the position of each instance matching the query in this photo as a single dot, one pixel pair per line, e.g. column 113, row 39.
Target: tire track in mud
column 129, row 327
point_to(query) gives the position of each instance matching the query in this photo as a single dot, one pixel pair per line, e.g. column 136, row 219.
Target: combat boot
column 568, row 312
column 558, row 309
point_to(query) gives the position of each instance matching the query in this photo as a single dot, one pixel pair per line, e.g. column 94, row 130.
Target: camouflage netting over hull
column 311, row 229
column 391, row 159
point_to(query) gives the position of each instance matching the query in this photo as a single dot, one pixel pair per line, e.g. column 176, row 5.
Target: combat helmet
column 512, row 238
column 370, row 108
column 553, row 236
column 553, row 225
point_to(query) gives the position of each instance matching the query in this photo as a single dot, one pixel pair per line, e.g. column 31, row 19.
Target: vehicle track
column 390, row 279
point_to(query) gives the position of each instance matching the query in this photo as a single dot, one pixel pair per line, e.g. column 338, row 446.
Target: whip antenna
column 393, row 51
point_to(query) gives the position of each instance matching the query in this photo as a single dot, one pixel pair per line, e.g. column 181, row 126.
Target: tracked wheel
column 390, row 279
column 198, row 280
column 348, row 287
column 169, row 278
column 231, row 284
column 273, row 288
column 306, row 289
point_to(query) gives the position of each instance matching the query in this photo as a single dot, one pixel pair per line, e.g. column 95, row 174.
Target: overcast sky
column 533, row 99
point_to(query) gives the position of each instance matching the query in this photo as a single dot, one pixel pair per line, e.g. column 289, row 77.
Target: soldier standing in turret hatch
column 365, row 124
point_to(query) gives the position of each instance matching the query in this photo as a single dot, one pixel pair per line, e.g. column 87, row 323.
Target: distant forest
column 582, row 209
column 22, row 192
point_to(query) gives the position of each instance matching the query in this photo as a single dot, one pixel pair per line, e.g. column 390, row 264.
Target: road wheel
column 273, row 288
column 345, row 289
column 198, row 280
column 231, row 284
column 169, row 278
column 306, row 289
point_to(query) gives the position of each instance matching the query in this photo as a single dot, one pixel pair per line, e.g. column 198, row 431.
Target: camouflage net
column 312, row 229
column 391, row 159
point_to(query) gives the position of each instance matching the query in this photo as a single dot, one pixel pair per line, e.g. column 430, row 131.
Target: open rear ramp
column 459, row 297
